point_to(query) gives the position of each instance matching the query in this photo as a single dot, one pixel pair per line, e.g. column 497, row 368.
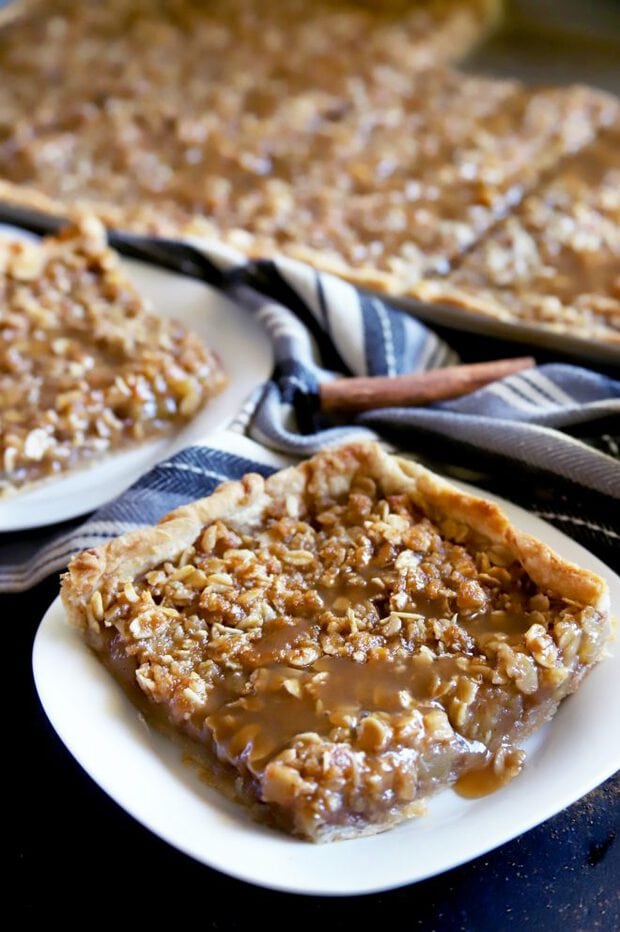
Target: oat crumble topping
column 325, row 148
column 85, row 367
column 556, row 260
column 348, row 657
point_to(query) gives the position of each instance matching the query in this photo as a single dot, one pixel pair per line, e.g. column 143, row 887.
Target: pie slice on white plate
column 342, row 639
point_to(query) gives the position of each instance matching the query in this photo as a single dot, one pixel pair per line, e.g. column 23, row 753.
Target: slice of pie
column 85, row 367
column 345, row 638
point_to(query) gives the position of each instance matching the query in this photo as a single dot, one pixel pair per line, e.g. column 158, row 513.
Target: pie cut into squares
column 344, row 638
column 86, row 368
column 155, row 112
column 385, row 196
column 348, row 142
column 424, row 190
column 555, row 262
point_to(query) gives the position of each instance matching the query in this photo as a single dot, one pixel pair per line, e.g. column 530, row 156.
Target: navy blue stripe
column 299, row 387
column 291, row 376
column 398, row 324
column 540, row 388
column 374, row 341
column 525, row 397
column 265, row 277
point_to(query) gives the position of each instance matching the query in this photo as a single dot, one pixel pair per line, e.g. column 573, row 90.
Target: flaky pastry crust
column 242, row 504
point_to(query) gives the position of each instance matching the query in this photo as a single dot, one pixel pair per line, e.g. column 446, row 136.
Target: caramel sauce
column 255, row 713
column 254, row 728
column 277, row 641
column 196, row 750
column 288, row 702
column 376, row 686
column 514, row 624
column 336, row 692
column 477, row 783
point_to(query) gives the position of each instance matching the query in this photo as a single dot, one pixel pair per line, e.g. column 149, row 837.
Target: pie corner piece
column 344, row 638
column 87, row 367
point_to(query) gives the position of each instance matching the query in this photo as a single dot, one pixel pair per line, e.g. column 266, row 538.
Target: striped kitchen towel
column 548, row 438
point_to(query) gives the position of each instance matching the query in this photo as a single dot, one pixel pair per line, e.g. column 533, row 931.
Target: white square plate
column 143, row 771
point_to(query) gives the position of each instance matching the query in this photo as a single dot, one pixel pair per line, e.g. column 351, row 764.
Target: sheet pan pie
column 555, row 260
column 350, row 143
column 86, row 369
column 342, row 639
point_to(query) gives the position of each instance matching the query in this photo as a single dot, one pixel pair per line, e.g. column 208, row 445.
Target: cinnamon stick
column 420, row 388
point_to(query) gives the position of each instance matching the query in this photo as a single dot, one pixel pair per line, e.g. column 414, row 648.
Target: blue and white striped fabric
column 548, row 438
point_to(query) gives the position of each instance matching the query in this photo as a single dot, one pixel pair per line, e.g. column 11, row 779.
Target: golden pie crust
column 344, row 638
column 86, row 367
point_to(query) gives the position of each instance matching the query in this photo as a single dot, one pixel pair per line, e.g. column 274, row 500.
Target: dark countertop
column 75, row 849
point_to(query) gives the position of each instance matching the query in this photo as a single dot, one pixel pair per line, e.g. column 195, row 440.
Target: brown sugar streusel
column 348, row 658
column 555, row 262
column 85, row 367
column 168, row 109
column 331, row 131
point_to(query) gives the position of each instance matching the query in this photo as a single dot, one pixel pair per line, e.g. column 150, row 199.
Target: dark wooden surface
column 78, row 857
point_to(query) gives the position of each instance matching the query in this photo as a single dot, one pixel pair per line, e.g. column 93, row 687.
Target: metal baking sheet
column 577, row 348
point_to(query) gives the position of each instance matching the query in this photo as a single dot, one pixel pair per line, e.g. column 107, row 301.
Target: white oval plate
column 245, row 351
column 144, row 773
